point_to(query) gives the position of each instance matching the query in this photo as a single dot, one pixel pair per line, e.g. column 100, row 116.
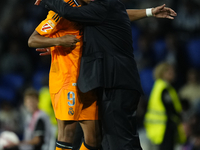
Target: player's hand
column 44, row 51
column 163, row 12
column 37, row 2
column 68, row 40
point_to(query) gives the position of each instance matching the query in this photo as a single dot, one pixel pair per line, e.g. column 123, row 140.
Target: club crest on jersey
column 46, row 27
column 74, row 84
column 71, row 111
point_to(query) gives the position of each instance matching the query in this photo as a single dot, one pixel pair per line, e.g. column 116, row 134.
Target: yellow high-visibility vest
column 156, row 118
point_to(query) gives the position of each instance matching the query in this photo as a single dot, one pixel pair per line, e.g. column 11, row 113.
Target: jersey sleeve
column 48, row 26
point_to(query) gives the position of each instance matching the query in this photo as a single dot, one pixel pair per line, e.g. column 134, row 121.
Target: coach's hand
column 163, row 12
column 68, row 41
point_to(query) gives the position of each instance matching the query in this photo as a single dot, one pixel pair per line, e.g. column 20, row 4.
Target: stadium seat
column 159, row 47
column 135, row 35
column 38, row 77
column 147, row 81
column 13, row 81
column 193, row 52
column 7, row 94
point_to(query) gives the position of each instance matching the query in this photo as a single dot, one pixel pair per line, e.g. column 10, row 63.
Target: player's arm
column 36, row 40
column 158, row 12
column 94, row 12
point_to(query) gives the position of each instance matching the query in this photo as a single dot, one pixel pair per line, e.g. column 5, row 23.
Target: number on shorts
column 71, row 97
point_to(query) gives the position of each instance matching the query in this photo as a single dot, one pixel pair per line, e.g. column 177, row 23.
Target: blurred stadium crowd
column 154, row 40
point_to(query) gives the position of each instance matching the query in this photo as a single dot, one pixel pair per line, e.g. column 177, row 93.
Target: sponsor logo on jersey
column 71, row 111
column 46, row 27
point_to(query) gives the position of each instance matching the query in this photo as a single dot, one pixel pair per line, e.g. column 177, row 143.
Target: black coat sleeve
column 95, row 12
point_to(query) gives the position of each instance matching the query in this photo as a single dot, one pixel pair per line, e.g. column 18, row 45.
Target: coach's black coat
column 107, row 59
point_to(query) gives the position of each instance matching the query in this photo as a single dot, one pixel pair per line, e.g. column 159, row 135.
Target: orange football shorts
column 74, row 105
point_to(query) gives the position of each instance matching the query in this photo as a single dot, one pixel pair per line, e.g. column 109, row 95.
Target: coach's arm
column 158, row 12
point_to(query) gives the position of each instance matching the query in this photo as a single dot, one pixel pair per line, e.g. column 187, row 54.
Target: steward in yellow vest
column 162, row 120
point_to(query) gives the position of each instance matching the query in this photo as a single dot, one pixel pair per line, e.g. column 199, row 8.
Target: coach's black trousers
column 117, row 110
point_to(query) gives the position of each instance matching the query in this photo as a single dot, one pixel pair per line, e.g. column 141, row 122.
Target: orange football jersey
column 65, row 63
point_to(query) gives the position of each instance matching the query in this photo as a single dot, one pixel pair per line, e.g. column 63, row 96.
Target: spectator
column 37, row 129
column 191, row 90
column 162, row 119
